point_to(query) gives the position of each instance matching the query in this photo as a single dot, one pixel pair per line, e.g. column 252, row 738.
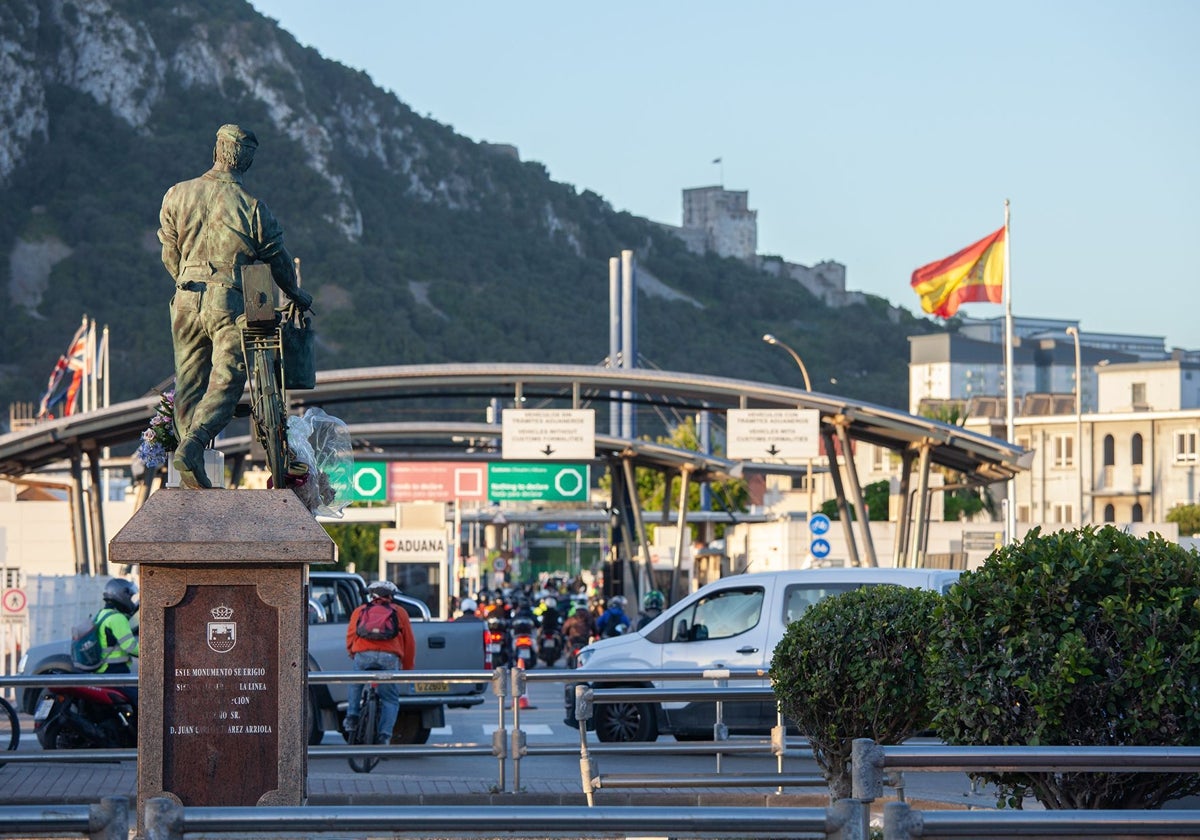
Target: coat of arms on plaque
column 222, row 633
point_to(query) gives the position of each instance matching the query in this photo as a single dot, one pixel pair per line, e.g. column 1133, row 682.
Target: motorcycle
column 496, row 644
column 574, row 645
column 85, row 717
column 523, row 652
column 549, row 646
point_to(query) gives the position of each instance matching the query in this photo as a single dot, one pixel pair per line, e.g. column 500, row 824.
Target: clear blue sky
column 882, row 135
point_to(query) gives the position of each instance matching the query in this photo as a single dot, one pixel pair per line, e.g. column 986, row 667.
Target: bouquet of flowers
column 159, row 440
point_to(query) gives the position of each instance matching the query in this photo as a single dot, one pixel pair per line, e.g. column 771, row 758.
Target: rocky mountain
column 419, row 245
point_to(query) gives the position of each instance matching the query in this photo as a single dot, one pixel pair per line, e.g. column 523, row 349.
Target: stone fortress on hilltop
column 720, row 221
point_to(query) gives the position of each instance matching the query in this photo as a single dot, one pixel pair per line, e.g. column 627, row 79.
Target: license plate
column 432, row 687
column 523, row 653
column 43, row 709
column 493, row 648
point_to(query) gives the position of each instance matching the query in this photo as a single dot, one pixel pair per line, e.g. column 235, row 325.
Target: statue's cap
column 238, row 135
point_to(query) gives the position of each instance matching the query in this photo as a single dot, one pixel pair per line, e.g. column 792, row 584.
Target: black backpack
column 378, row 622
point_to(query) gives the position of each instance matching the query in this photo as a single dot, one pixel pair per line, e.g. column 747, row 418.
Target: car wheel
column 622, row 722
column 408, row 729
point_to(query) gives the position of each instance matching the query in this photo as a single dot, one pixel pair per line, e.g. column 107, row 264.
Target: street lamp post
column 770, row 339
column 1074, row 333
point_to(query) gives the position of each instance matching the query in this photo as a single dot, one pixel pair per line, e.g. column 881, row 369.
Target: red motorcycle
column 85, row 717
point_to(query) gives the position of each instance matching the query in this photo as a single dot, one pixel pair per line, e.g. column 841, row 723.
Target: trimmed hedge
column 853, row 667
column 1086, row 637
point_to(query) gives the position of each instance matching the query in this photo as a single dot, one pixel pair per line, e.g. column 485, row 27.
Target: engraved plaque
column 220, row 696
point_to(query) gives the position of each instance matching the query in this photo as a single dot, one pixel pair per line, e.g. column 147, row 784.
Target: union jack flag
column 75, row 359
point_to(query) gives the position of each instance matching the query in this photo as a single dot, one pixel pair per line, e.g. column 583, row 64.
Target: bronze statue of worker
column 209, row 228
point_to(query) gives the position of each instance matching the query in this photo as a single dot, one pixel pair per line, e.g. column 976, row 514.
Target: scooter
column 549, row 646
column 85, row 717
column 523, row 652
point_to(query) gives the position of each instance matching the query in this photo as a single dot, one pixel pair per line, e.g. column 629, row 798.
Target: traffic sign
column 820, row 548
column 538, row 482
column 368, row 481
column 774, row 433
column 404, row 545
column 549, row 434
column 819, row 524
column 15, row 602
column 436, row 481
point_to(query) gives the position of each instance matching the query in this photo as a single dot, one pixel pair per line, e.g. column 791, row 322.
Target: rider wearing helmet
column 613, row 621
column 388, row 654
column 652, row 607
column 468, row 607
column 118, row 642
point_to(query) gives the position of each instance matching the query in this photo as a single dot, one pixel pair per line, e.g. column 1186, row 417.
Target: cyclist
column 652, row 607
column 613, row 621
column 118, row 642
column 389, row 654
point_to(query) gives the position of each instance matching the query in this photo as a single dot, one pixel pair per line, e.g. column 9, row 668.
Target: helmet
column 467, row 605
column 653, row 600
column 549, row 603
column 618, row 601
column 121, row 595
column 382, row 589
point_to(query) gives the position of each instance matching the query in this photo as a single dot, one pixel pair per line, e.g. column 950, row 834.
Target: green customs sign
column 516, row 482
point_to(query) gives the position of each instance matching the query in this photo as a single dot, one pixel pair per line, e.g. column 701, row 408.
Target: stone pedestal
column 223, row 670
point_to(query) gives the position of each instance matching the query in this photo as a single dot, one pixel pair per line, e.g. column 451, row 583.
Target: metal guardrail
column 166, row 820
column 106, row 820
column 901, row 822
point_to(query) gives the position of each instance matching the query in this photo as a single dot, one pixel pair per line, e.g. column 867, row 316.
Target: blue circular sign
column 821, row 548
column 819, row 524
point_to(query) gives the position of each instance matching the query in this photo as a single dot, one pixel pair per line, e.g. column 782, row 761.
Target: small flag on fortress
column 716, row 160
column 976, row 273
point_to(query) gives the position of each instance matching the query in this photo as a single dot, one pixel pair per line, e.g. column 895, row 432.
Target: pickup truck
column 734, row 623
column 441, row 646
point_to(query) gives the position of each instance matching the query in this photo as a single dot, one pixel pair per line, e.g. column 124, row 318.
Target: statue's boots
column 189, row 463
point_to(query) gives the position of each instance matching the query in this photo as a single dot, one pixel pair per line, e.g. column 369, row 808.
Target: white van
column 735, row 622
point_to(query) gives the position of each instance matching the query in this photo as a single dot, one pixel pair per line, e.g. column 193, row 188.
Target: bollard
column 500, row 689
column 163, row 818
column 848, row 819
column 900, row 822
column 109, row 819
column 583, row 713
column 866, row 762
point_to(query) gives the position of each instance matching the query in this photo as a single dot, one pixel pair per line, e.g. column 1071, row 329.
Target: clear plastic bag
column 322, row 443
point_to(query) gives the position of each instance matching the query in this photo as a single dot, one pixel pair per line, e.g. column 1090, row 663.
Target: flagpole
column 1010, row 514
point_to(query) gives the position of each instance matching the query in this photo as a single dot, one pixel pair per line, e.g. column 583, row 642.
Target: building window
column 1136, row 514
column 1135, row 449
column 1022, row 513
column 1185, row 447
column 1137, row 392
column 1062, row 513
column 879, row 459
column 1110, row 451
column 1063, row 449
column 1110, row 513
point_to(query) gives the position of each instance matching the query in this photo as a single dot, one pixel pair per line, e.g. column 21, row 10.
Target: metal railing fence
column 107, row 819
column 166, row 820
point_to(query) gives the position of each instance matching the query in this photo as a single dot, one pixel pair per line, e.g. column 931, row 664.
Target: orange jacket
column 404, row 645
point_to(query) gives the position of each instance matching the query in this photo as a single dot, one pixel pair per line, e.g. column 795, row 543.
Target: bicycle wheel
column 364, row 733
column 269, row 416
column 10, row 726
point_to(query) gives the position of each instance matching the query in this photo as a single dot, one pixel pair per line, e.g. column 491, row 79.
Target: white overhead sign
column 549, row 434
column 756, row 434
column 403, row 545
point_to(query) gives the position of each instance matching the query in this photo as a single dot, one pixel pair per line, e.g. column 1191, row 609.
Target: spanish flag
column 976, row 273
